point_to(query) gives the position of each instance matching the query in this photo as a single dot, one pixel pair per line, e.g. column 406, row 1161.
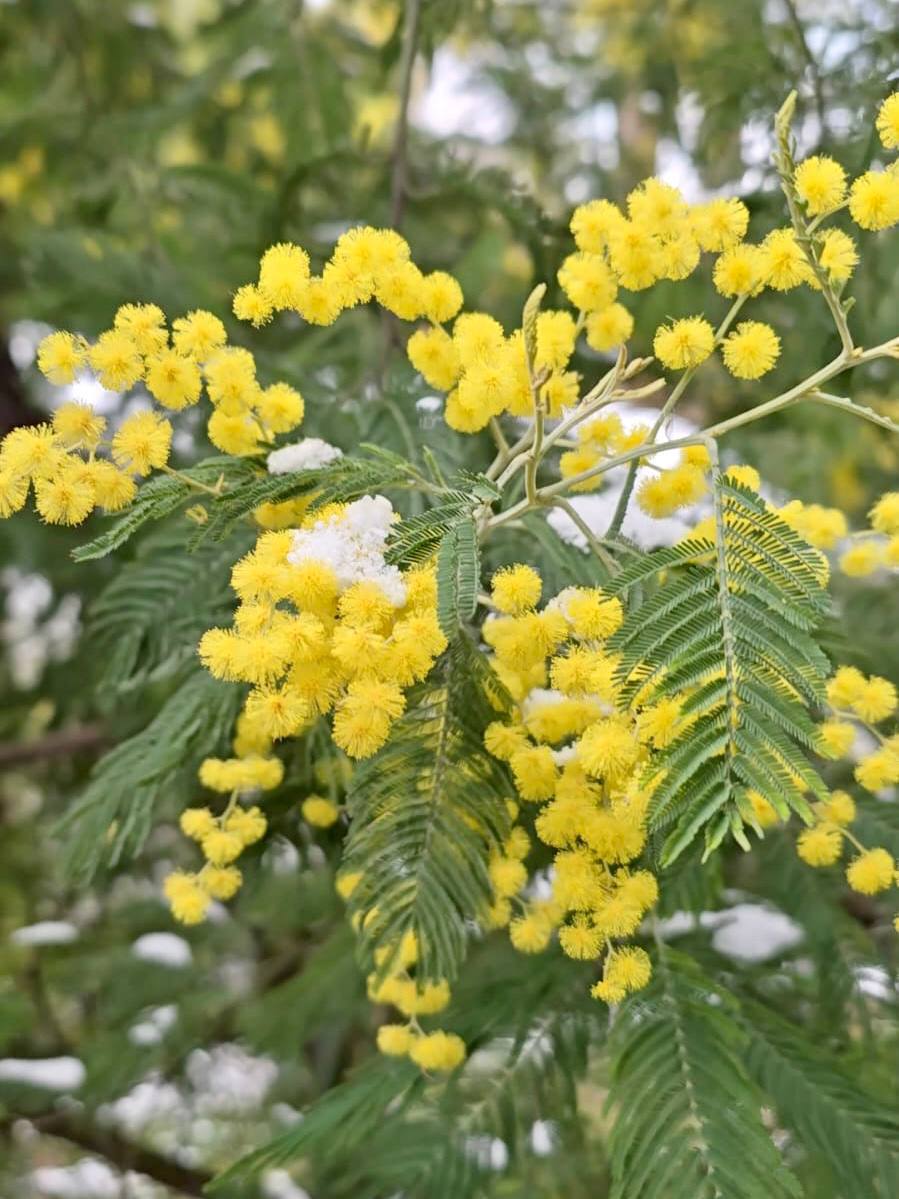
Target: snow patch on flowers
column 308, row 454
column 352, row 543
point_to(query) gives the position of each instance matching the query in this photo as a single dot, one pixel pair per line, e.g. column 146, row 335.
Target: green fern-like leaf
column 114, row 814
column 458, row 575
column 338, row 1124
column 426, row 812
column 858, row 1136
column 687, row 1121
column 341, row 481
column 146, row 622
column 735, row 623
column 162, row 496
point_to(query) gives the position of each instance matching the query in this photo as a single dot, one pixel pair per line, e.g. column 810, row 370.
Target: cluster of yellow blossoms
column 366, row 264
column 857, row 704
column 876, row 547
column 393, row 983
column 75, row 471
column 310, row 645
column 574, row 751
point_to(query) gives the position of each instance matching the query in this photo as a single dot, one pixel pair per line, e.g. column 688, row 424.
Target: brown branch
column 120, row 1152
column 62, row 743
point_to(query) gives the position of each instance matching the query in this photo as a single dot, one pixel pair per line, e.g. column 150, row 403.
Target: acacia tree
column 428, row 740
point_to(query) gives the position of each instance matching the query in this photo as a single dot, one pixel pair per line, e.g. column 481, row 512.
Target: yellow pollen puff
column 188, row 900
column 684, row 344
column 280, row 408
column 876, row 701
column 764, row 812
column 283, row 272
column 197, row 823
column 821, row 845
column 319, row 812
column 515, row 589
column 592, row 614
column 173, row 380
column 879, row 769
column 277, row 711
column 198, row 335
column 874, row 200
column 627, row 970
column 820, row 184
column 783, row 263
column 116, row 360
column 887, row 123
column 221, row 882
column 592, row 223
column 253, row 305
column 145, row 325
column 608, row 749
column 835, row 738
column 68, row 497
column 751, row 350
column 871, row 872
column 884, row 516
column 739, row 271
column 846, row 686
column 508, row 876
column 608, row 328
column 534, row 771
column 587, row 281
column 441, row 297
column 395, row 1040
column 839, row 809
column 862, row 558
column 746, row 476
column 580, row 939
column 221, row 848
column 719, row 224
column 247, row 824
column 434, row 355
column 78, row 425
column 838, row 255
column 556, row 333
column 59, row 357
column 530, row 933
column 663, row 494
column 659, row 208
column 438, row 1051
column 142, row 442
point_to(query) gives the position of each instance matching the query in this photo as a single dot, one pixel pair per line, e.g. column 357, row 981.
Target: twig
column 401, row 134
column 60, row 744
column 120, row 1152
column 680, row 387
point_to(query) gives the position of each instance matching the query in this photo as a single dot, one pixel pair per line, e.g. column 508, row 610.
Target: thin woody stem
column 670, row 404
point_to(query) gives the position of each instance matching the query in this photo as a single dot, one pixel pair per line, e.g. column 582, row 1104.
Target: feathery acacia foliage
column 432, row 845
column 739, row 627
column 461, row 740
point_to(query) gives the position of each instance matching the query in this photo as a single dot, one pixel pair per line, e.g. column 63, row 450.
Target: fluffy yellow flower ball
column 888, row 122
column 751, row 350
column 516, row 589
column 821, row 845
column 821, row 184
column 871, row 872
column 320, row 813
column 874, row 200
column 684, row 344
column 438, row 1051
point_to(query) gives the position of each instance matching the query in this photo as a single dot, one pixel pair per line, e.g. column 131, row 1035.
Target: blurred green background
column 150, row 151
